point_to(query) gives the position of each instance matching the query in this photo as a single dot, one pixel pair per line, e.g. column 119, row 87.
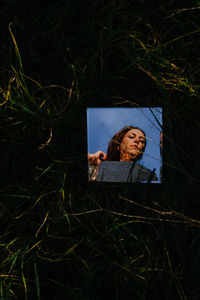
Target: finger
column 98, row 161
column 104, row 156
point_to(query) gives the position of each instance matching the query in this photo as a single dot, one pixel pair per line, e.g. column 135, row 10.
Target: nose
column 136, row 140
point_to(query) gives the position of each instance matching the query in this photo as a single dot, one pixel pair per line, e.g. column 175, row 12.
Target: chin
column 136, row 153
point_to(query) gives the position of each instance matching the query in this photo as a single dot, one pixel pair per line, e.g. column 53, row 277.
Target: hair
column 113, row 152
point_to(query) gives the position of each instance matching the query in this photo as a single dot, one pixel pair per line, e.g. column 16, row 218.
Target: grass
column 61, row 235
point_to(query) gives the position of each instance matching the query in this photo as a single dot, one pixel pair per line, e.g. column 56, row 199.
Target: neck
column 127, row 157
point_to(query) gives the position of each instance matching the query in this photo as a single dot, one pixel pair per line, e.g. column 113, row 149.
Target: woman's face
column 132, row 144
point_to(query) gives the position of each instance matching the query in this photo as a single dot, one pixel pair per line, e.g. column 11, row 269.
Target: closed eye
column 132, row 137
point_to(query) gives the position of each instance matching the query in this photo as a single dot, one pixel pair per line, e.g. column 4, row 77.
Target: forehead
column 136, row 132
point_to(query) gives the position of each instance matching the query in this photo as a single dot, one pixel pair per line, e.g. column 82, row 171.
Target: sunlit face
column 132, row 145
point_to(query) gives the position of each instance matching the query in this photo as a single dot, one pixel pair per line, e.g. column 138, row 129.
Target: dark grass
column 62, row 237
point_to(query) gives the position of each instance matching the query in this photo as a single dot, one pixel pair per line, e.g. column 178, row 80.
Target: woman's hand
column 96, row 158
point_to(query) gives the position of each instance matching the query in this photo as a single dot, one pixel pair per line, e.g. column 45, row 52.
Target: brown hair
column 113, row 152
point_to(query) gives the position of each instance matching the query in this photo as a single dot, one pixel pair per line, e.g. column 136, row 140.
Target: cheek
column 126, row 143
column 123, row 145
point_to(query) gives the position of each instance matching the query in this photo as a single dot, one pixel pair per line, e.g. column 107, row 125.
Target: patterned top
column 123, row 171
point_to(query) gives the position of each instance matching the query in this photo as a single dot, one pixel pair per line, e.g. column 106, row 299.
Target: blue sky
column 103, row 123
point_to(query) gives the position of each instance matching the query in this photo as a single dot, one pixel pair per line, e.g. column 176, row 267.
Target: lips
column 134, row 146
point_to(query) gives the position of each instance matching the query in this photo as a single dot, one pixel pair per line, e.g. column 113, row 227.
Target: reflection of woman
column 128, row 144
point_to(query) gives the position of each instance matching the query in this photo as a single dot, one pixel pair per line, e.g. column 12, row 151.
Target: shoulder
column 146, row 174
